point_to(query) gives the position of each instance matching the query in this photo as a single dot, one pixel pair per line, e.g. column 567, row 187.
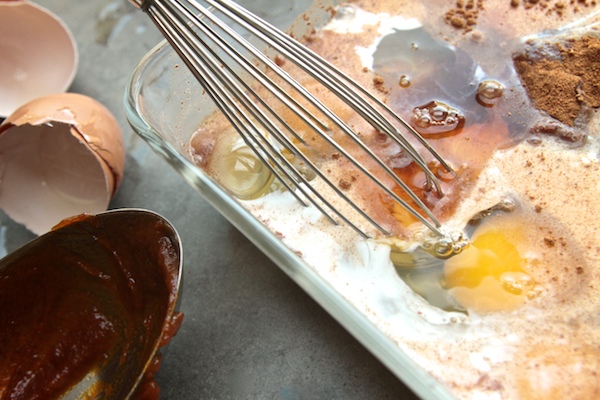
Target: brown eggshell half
column 60, row 155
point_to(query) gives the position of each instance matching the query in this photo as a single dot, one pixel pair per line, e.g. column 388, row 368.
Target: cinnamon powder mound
column 561, row 78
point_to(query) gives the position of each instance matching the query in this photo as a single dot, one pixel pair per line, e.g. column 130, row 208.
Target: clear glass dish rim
column 390, row 354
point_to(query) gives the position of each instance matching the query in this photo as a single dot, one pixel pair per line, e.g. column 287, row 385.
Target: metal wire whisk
column 212, row 50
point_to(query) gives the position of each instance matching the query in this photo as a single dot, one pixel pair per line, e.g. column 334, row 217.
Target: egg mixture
column 507, row 92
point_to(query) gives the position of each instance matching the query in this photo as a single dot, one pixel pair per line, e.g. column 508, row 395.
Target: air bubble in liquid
column 437, row 117
column 488, row 92
column 345, row 12
column 516, row 282
column 404, row 81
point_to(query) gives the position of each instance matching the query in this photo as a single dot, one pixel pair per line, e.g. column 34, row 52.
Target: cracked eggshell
column 39, row 55
column 60, row 155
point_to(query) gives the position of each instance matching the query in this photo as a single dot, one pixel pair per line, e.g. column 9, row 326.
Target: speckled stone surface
column 249, row 331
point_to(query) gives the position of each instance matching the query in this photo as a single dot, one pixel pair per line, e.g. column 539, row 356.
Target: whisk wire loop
column 335, row 79
column 208, row 47
column 206, row 65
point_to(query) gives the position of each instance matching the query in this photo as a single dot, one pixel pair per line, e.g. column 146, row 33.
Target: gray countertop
column 249, row 331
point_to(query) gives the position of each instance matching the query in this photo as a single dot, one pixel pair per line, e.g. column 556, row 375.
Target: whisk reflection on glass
column 230, row 68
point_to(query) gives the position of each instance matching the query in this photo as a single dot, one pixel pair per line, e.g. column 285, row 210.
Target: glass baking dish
column 165, row 106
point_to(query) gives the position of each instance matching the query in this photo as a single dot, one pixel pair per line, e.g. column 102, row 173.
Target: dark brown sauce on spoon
column 92, row 300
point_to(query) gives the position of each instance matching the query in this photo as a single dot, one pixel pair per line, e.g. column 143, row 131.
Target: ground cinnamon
column 564, row 78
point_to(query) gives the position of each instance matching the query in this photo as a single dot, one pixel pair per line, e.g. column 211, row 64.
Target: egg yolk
column 491, row 274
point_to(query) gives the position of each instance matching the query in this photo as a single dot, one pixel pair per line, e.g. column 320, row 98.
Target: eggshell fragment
column 39, row 55
column 60, row 155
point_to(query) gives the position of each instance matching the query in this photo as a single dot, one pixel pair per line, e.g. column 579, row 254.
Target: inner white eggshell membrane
column 60, row 155
column 41, row 168
column 39, row 55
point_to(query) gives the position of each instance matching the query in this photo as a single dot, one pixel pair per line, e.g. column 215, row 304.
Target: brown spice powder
column 561, row 87
column 465, row 13
column 379, row 84
column 551, row 88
